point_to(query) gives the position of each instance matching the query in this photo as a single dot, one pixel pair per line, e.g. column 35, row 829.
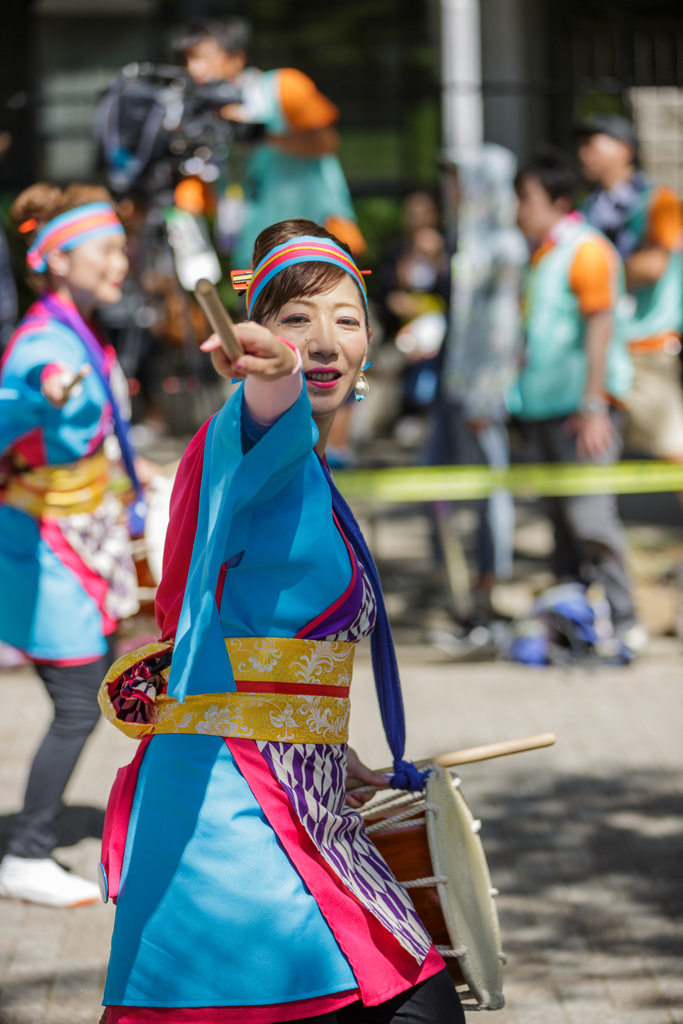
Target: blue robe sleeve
column 233, row 484
column 23, row 405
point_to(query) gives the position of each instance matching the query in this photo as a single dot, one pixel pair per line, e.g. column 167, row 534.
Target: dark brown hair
column 554, row 170
column 232, row 36
column 299, row 281
column 41, row 202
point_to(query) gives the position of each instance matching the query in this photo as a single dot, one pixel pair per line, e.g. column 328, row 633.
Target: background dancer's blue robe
column 44, row 607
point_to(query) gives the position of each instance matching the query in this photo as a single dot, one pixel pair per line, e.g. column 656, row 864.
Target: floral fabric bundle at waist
column 61, row 490
column 294, row 691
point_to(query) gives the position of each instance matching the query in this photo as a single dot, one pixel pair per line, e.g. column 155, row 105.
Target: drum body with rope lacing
column 431, row 843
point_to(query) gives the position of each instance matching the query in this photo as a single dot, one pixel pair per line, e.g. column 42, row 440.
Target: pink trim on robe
column 117, row 819
column 93, row 584
column 64, row 662
column 39, row 319
column 180, row 536
column 383, row 968
column 229, row 1014
column 31, row 447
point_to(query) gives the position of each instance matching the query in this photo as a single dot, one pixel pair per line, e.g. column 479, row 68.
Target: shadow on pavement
column 75, row 823
column 19, row 993
column 597, row 859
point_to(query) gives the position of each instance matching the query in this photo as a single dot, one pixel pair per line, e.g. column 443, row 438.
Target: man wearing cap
column 645, row 223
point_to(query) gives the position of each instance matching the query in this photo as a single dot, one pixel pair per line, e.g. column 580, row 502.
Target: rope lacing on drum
column 425, row 883
column 395, row 797
column 449, row 951
column 406, row 819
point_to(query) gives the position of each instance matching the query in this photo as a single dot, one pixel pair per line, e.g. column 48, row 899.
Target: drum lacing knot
column 408, row 776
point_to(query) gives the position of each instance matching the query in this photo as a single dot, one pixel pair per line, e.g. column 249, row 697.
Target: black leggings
column 434, row 1001
column 73, row 690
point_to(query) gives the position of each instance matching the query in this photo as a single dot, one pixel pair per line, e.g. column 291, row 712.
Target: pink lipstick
column 323, row 379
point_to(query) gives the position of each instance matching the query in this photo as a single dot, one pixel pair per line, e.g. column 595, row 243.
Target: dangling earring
column 362, row 387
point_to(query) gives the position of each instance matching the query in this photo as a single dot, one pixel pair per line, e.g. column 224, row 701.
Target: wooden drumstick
column 472, row 754
column 489, row 750
column 219, row 318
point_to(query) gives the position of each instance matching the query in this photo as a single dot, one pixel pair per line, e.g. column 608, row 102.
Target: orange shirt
column 593, row 274
column 665, row 220
column 305, row 109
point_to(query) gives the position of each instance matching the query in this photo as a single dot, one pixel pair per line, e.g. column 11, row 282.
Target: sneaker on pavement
column 43, row 881
column 635, row 637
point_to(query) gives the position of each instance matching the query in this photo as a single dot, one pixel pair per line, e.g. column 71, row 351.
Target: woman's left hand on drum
column 265, row 355
column 355, row 769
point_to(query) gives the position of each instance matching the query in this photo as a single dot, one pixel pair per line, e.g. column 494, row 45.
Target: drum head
column 466, row 900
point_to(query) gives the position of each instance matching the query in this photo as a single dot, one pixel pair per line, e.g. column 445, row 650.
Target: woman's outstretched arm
column 270, row 365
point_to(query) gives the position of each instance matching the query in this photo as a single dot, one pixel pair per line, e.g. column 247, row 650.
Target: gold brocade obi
column 60, row 490
column 294, row 691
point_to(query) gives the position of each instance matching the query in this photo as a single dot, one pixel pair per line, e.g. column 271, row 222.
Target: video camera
column 155, row 124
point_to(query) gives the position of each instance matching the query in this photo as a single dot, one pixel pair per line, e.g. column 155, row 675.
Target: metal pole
column 463, row 112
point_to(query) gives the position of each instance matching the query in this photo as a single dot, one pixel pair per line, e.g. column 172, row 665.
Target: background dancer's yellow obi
column 294, row 691
column 60, row 490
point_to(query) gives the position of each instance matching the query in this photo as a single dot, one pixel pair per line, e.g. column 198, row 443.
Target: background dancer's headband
column 71, row 229
column 303, row 249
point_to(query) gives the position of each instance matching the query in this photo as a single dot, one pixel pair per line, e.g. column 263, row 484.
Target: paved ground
column 584, row 840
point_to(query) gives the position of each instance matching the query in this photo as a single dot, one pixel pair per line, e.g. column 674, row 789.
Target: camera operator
column 295, row 172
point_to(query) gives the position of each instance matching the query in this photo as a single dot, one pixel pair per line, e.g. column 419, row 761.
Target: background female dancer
column 65, row 564
column 248, row 890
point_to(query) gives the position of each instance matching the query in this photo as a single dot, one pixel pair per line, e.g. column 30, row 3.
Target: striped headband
column 304, row 249
column 71, row 229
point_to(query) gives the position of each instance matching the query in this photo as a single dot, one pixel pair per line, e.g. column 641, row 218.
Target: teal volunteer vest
column 552, row 380
column 279, row 186
column 659, row 308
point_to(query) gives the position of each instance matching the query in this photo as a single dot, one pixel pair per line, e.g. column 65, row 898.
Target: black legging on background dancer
column 73, row 691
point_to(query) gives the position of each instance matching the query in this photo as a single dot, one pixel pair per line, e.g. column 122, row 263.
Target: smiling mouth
column 323, row 378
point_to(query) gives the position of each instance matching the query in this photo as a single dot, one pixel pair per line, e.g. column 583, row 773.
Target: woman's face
column 329, row 330
column 94, row 271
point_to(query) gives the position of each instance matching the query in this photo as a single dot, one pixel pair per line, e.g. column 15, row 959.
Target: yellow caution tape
column 462, row 483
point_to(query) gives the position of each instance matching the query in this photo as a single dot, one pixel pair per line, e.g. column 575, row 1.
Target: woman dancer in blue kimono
column 247, row 888
column 65, row 563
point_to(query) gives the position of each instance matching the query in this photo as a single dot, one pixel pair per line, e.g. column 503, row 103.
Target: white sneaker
column 43, row 881
column 636, row 638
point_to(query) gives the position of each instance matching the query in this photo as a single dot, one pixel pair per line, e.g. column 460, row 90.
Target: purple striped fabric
column 313, row 776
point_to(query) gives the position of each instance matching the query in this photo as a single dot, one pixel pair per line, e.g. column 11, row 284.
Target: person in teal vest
column 645, row 223
column 575, row 374
column 296, row 171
